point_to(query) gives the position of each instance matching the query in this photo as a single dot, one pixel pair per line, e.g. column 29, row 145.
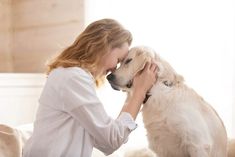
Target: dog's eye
column 128, row 60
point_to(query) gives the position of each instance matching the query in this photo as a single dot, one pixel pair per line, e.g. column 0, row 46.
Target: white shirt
column 71, row 119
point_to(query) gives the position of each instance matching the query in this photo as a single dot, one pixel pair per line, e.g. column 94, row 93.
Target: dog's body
column 178, row 121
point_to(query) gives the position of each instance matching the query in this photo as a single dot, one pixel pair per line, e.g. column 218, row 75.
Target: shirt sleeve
column 81, row 101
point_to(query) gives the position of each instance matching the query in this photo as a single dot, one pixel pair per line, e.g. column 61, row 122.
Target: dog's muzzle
column 129, row 84
column 111, row 78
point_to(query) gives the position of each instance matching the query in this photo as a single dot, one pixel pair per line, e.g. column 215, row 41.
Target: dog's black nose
column 110, row 77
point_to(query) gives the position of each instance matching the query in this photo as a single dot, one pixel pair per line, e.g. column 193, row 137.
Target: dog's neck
column 147, row 95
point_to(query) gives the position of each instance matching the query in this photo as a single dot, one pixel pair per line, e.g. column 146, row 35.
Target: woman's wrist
column 139, row 94
column 133, row 103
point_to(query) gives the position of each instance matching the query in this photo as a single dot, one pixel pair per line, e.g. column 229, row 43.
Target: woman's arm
column 81, row 102
column 141, row 84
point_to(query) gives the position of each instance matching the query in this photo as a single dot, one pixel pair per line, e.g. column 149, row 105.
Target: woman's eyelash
column 128, row 60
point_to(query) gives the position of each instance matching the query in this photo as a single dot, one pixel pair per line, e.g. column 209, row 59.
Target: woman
column 71, row 119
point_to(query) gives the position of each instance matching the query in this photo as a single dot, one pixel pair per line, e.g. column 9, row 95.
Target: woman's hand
column 142, row 82
column 145, row 79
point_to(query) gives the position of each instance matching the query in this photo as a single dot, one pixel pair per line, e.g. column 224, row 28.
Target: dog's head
column 122, row 77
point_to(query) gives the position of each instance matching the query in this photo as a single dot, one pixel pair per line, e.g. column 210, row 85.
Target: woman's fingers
column 147, row 65
column 153, row 67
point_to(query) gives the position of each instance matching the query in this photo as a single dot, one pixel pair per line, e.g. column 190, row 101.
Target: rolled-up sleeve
column 80, row 100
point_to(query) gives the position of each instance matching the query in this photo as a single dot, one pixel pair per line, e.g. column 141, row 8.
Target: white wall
column 5, row 35
column 196, row 37
column 42, row 29
column 37, row 30
column 19, row 94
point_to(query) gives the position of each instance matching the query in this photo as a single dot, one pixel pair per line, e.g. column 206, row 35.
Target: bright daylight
column 63, row 114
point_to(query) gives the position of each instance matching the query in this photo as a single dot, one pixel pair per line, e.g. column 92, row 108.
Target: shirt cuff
column 127, row 120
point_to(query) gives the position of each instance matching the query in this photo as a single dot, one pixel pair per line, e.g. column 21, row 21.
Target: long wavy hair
column 91, row 45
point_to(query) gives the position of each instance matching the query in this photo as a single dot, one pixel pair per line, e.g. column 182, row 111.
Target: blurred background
column 196, row 37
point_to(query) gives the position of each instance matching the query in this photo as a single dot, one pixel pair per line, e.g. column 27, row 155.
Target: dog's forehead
column 137, row 51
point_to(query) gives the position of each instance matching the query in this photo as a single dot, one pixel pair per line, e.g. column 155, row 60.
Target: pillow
column 10, row 142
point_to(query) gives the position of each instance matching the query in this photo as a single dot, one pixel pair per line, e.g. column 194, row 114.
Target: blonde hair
column 93, row 43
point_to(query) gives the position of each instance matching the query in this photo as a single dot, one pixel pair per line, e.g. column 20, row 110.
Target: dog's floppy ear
column 167, row 74
column 179, row 78
column 141, row 67
column 160, row 69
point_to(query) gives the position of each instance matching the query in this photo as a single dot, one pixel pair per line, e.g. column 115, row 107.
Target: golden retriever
column 179, row 122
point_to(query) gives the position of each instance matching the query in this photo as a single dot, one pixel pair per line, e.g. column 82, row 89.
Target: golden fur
column 179, row 122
